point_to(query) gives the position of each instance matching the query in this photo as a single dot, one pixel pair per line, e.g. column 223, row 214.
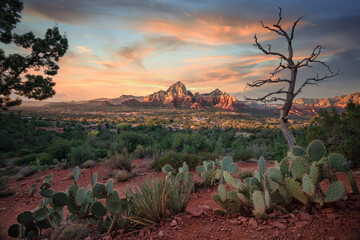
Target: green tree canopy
column 43, row 55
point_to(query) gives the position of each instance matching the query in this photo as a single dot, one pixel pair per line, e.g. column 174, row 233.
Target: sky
column 138, row 47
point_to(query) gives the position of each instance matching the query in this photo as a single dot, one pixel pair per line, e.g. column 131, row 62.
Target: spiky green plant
column 149, row 201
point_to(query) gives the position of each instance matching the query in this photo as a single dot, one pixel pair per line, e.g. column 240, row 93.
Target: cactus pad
column 25, row 218
column 316, row 150
column 314, row 173
column 335, row 192
column 14, row 231
column 222, row 192
column 284, row 167
column 308, row 185
column 80, row 196
column 262, row 165
column 259, row 203
column 299, row 166
column 40, row 214
column 110, row 186
column 98, row 209
column 275, row 175
column 94, row 178
column 167, row 168
column 337, row 161
column 113, row 202
column 76, row 174
column 99, row 190
column 295, row 190
column 60, row 199
column 298, row 151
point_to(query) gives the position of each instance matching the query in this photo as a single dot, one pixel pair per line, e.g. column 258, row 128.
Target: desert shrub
column 70, row 231
column 89, row 164
column 42, row 159
column 59, row 148
column 25, row 160
column 120, row 161
column 122, row 176
column 5, row 190
column 258, row 150
column 80, row 154
column 23, row 152
column 245, row 173
column 100, row 153
column 26, row 171
column 242, row 155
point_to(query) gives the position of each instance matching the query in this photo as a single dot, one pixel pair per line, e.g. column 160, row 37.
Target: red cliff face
column 178, row 96
column 196, row 106
column 228, row 102
column 311, row 106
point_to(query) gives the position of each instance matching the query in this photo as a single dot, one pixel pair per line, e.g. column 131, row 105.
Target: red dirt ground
column 336, row 221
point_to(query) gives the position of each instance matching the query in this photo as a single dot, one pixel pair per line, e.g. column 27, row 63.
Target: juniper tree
column 43, row 55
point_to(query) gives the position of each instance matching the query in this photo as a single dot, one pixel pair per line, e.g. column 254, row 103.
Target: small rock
column 234, row 222
column 331, row 216
column 305, row 217
column 278, row 225
column 161, row 233
column 205, row 207
column 294, row 219
column 173, row 223
column 253, row 222
column 328, row 210
column 195, row 212
column 301, row 224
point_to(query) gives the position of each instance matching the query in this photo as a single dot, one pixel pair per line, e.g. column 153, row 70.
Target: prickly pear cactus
column 298, row 151
column 298, row 167
column 335, row 192
column 338, row 162
column 316, row 150
column 295, row 189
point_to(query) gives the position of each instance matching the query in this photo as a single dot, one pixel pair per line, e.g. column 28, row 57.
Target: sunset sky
column 140, row 46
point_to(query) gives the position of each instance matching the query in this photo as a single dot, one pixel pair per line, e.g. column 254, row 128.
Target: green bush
column 59, row 148
column 100, row 153
column 80, row 154
column 242, row 155
column 120, row 161
column 25, row 160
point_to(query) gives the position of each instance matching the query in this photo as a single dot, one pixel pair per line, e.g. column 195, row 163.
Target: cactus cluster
column 296, row 178
column 212, row 171
column 47, row 215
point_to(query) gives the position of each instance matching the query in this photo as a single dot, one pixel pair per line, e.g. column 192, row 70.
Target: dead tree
column 289, row 91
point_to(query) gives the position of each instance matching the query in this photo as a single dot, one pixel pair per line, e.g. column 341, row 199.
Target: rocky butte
column 179, row 97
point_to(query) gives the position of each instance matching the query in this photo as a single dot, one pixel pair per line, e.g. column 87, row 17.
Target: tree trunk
column 290, row 139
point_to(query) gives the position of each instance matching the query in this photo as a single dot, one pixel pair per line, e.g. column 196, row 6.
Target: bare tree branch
column 259, row 83
column 294, row 26
column 267, row 52
column 273, row 99
column 315, row 81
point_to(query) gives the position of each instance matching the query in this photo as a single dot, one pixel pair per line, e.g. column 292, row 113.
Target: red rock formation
column 196, row 105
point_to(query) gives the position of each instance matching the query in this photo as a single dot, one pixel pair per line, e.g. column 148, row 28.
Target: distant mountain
column 119, row 100
column 178, row 96
column 311, row 106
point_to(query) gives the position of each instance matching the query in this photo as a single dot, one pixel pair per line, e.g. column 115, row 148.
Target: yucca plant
column 149, row 201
